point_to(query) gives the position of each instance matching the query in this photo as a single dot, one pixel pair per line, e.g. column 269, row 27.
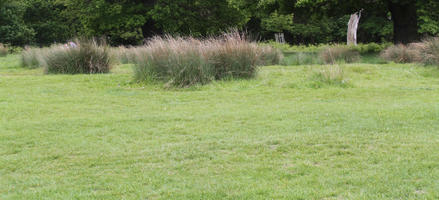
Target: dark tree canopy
column 130, row 22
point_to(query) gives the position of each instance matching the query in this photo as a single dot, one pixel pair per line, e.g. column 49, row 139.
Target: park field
column 281, row 135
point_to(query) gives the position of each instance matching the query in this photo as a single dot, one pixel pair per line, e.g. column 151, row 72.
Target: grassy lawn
column 273, row 137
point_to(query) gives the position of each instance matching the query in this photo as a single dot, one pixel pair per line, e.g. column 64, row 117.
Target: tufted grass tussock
column 188, row 61
column 88, row 56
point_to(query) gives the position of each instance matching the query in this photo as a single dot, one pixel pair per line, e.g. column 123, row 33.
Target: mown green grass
column 273, row 137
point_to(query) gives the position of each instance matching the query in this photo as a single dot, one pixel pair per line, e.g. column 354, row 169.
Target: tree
column 263, row 18
column 13, row 29
column 405, row 20
column 120, row 21
column 428, row 19
column 46, row 19
column 277, row 22
column 403, row 14
column 196, row 17
column 128, row 22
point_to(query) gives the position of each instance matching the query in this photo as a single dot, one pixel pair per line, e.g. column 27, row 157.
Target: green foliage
column 121, row 22
column 183, row 17
column 277, row 22
column 89, row 57
column 370, row 48
column 130, row 22
column 428, row 17
column 46, row 19
column 15, row 49
column 297, row 48
column 13, row 29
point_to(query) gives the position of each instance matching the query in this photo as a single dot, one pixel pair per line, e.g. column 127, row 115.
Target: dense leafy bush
column 188, row 61
column 297, row 48
column 360, row 48
column 13, row 29
column 89, row 56
column 3, row 50
column 370, row 48
column 335, row 54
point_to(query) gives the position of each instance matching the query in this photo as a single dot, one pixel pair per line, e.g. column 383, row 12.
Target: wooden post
column 353, row 27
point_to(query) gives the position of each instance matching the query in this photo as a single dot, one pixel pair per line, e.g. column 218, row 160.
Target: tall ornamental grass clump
column 3, row 50
column 183, row 62
column 88, row 56
column 177, row 61
column 232, row 56
column 334, row 54
column 33, row 57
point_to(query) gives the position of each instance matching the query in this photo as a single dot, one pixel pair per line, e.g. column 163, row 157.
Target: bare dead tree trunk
column 353, row 27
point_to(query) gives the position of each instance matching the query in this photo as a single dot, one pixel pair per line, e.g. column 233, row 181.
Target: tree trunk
column 352, row 28
column 405, row 21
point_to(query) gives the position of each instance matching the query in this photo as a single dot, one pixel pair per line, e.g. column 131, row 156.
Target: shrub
column 188, row 61
column 361, row 48
column 90, row 56
column 15, row 49
column 3, row 50
column 339, row 53
column 297, row 48
column 401, row 53
column 429, row 51
column 33, row 57
column 370, row 48
column 332, row 75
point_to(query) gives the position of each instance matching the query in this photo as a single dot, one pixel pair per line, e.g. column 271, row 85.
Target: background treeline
column 129, row 22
